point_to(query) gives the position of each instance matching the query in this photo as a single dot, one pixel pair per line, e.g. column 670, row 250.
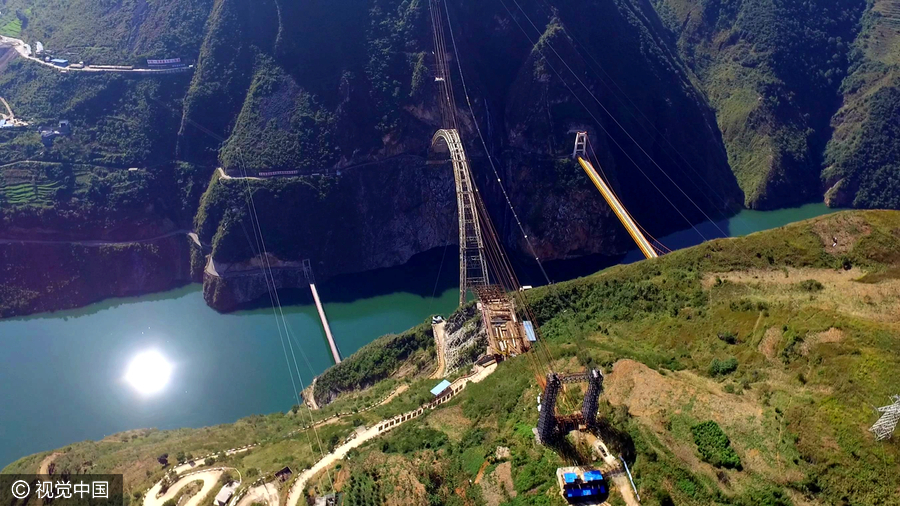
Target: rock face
column 49, row 277
column 360, row 100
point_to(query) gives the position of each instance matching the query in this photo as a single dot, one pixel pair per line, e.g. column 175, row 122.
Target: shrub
column 722, row 367
column 728, row 336
column 811, row 285
column 714, row 446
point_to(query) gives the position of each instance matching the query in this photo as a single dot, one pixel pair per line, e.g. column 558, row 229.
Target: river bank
column 226, row 366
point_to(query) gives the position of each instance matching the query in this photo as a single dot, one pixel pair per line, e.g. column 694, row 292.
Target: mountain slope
column 322, row 88
column 863, row 156
column 772, row 69
column 810, row 331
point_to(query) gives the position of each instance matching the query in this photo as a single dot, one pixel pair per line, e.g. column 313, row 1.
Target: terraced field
column 10, row 24
column 31, row 193
column 27, row 184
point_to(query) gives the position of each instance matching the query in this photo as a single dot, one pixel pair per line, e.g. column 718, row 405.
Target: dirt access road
column 296, row 492
column 24, row 51
column 209, row 477
column 267, row 493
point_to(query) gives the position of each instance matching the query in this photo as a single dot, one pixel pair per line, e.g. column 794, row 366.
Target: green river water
column 62, row 374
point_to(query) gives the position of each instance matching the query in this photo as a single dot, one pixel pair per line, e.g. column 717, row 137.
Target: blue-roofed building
column 439, row 389
column 582, row 486
column 60, row 62
column 529, row 331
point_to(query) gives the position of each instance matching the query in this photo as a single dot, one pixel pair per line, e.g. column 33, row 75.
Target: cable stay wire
column 258, row 234
column 575, row 35
column 488, row 153
column 542, row 360
column 605, row 110
column 608, row 134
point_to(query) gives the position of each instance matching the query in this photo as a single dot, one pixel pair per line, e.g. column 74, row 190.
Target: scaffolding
column 550, row 425
column 472, row 268
column 506, row 333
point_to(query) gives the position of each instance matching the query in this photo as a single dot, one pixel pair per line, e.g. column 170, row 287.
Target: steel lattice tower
column 546, row 428
column 884, row 427
column 592, row 397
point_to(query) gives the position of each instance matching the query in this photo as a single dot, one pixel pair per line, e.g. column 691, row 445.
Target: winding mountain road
column 24, row 51
column 96, row 243
column 209, row 477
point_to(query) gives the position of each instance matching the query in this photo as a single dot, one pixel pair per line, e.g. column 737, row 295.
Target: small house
column 284, row 474
column 440, row 388
column 226, row 493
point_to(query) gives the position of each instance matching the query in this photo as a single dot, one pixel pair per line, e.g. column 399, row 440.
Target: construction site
column 502, row 325
column 8, row 119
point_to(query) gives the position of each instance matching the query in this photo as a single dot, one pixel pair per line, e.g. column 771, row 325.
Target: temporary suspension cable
column 487, row 153
column 599, row 124
column 254, row 218
column 624, row 130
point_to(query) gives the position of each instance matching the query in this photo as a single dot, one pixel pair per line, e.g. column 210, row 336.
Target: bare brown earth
column 498, row 486
column 843, row 292
column 769, row 344
column 831, row 335
column 668, row 404
column 847, row 229
column 45, row 464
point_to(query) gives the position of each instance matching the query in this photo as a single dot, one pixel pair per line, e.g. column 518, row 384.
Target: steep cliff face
column 863, row 156
column 369, row 217
column 327, row 86
column 772, row 70
column 349, row 88
column 49, row 277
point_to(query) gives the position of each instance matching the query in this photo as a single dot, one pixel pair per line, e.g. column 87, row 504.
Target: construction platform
column 507, row 334
column 582, row 485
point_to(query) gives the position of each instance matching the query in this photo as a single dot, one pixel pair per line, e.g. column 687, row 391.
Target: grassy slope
column 863, row 156
column 771, row 69
column 107, row 32
column 796, row 409
column 811, row 363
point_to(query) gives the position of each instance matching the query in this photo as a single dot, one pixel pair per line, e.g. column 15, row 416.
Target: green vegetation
column 714, row 445
column 281, row 127
column 772, row 70
column 862, row 159
column 94, row 31
column 363, row 490
column 811, row 285
column 374, row 362
column 790, row 422
column 722, row 367
column 116, row 120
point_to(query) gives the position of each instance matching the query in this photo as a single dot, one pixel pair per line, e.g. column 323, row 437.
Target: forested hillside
column 772, row 69
column 299, row 87
column 863, row 156
column 692, row 108
column 109, row 31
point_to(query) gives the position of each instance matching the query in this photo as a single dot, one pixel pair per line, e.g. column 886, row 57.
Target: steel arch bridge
column 472, row 268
